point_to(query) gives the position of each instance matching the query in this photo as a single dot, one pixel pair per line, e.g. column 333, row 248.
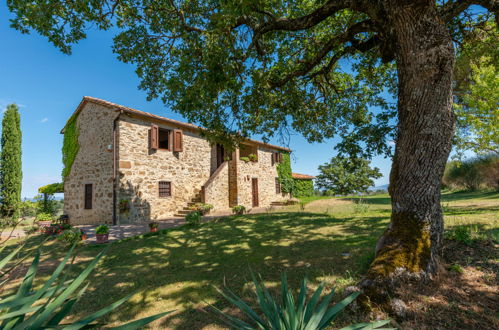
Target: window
column 276, row 158
column 164, row 138
column 165, row 189
column 277, row 186
column 88, row 197
column 248, row 151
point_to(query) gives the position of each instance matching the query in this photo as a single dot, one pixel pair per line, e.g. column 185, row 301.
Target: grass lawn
column 332, row 241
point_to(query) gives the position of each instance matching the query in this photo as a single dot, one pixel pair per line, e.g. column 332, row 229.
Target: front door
column 220, row 155
column 254, row 185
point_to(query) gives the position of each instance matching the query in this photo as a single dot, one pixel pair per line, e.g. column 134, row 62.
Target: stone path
column 118, row 232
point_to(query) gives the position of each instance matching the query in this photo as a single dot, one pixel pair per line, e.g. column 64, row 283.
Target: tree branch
column 454, row 8
column 347, row 36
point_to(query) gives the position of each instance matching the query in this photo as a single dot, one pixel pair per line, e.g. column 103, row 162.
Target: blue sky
column 48, row 85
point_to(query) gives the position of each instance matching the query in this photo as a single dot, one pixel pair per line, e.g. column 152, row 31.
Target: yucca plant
column 289, row 314
column 48, row 306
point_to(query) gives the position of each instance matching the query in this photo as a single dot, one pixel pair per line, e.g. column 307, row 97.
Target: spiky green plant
column 289, row 314
column 48, row 306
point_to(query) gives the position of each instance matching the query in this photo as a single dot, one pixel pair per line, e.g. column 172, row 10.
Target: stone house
column 133, row 166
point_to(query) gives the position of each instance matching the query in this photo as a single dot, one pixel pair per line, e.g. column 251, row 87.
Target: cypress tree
column 10, row 162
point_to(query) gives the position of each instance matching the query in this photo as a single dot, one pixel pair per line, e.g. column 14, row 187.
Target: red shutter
column 154, row 137
column 178, row 140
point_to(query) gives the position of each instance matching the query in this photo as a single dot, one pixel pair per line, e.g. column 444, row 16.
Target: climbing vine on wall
column 70, row 146
column 303, row 188
column 285, row 176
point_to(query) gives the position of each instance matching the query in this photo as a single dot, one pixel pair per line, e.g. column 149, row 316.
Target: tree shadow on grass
column 178, row 270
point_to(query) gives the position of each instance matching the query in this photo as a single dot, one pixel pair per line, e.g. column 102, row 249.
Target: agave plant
column 301, row 314
column 48, row 306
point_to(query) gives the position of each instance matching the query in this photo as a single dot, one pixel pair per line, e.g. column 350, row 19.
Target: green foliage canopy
column 344, row 176
column 52, row 188
column 11, row 174
column 477, row 92
column 257, row 66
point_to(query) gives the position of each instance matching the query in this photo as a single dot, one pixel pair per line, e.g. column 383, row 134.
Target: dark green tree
column 347, row 175
column 11, row 174
column 258, row 66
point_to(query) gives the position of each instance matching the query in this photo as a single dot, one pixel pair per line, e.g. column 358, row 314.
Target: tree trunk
column 410, row 246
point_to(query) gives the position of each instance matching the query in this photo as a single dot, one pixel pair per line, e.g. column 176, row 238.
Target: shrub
column 193, row 218
column 70, row 236
column 153, row 225
column 245, row 159
column 202, row 208
column 55, row 229
column 472, row 174
column 463, row 234
column 239, row 209
column 253, row 157
column 102, row 229
column 288, row 314
column 52, row 303
column 44, row 217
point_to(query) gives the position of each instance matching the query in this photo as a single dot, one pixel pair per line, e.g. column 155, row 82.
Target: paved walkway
column 118, row 232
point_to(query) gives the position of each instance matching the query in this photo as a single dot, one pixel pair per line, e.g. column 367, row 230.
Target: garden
column 327, row 240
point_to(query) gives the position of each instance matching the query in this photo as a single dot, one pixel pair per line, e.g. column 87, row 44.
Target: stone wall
column 265, row 172
column 141, row 169
column 217, row 189
column 93, row 165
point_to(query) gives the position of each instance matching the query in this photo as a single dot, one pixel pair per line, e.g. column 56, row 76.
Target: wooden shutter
column 279, row 157
column 178, row 140
column 154, row 137
column 273, row 158
column 88, row 197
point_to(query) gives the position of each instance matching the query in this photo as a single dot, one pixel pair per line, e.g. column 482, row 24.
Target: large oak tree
column 259, row 66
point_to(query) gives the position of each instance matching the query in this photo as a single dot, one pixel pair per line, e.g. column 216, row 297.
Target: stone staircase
column 186, row 210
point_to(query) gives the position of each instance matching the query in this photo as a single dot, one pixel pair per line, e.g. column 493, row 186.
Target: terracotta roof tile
column 159, row 118
column 300, row 176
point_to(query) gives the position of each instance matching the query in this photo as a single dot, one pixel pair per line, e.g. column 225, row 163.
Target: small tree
column 10, row 158
column 47, row 204
column 344, row 176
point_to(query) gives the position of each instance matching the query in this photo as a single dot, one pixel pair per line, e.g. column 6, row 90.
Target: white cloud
column 44, row 120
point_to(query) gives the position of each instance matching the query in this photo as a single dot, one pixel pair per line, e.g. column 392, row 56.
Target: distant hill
column 382, row 187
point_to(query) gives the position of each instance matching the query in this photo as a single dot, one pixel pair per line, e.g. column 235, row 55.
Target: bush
column 102, row 229
column 70, row 236
column 202, row 208
column 288, row 314
column 239, row 209
column 44, row 217
column 28, row 208
column 55, row 229
column 193, row 218
column 472, row 174
column 245, row 159
column 52, row 303
column 153, row 225
column 253, row 157
column 463, row 234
